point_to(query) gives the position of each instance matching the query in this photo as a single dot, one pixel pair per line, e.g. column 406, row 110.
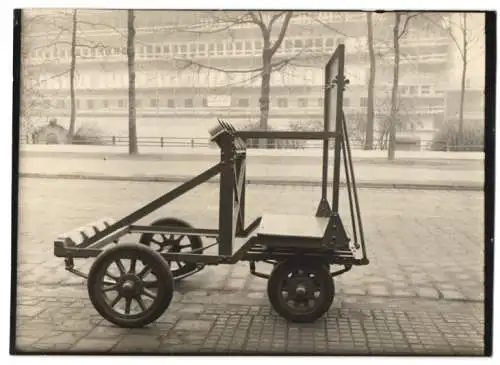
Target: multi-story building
column 186, row 71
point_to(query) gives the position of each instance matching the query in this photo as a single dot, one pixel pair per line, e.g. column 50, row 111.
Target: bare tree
column 226, row 22
column 132, row 128
column 397, row 33
column 371, row 85
column 463, row 54
column 72, row 69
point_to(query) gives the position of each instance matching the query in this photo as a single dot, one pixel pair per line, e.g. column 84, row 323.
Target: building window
column 204, row 102
column 175, row 49
column 258, row 45
column 138, row 103
column 121, row 103
column 425, row 90
column 288, row 45
column 248, row 47
column 239, row 47
column 346, row 102
column 211, row 49
column 298, row 43
column 243, row 102
column 166, row 49
column 61, row 104
column 188, row 103
column 192, row 50
column 220, row 49
column 90, row 104
column 158, row 50
column 302, row 102
column 329, row 43
column 363, row 102
column 282, row 103
column 171, row 103
column 105, row 103
column 201, row 49
column 153, row 103
column 320, row 102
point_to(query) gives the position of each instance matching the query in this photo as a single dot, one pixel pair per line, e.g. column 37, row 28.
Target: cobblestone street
column 423, row 246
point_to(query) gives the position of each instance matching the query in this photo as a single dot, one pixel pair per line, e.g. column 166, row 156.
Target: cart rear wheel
column 301, row 291
column 174, row 243
column 130, row 285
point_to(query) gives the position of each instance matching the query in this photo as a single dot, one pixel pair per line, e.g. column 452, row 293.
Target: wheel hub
column 130, row 286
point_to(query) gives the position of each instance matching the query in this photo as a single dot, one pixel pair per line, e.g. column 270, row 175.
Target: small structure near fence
column 51, row 133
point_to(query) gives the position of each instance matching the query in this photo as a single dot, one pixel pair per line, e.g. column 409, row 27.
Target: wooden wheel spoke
column 133, row 263
column 150, row 284
column 111, row 276
column 128, row 303
column 139, row 301
column 111, row 287
column 149, row 293
column 120, row 266
column 145, row 270
column 115, row 301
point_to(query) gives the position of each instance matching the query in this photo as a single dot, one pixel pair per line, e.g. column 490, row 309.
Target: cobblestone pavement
column 215, row 322
column 422, row 245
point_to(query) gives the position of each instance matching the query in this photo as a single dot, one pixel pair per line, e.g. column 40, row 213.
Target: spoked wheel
column 174, row 243
column 130, row 285
column 301, row 291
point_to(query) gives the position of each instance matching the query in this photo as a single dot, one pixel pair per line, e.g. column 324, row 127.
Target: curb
column 462, row 186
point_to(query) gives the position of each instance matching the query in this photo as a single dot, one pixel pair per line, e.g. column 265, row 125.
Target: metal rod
column 338, row 129
column 356, row 202
column 156, row 204
column 226, row 196
column 326, row 143
column 349, row 192
column 174, row 230
column 285, row 135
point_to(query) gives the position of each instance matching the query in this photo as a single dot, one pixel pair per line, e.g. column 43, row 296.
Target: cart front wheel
column 300, row 290
column 130, row 285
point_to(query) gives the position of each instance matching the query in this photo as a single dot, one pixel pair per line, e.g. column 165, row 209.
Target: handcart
column 301, row 249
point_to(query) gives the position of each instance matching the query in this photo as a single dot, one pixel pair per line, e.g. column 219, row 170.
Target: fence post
column 113, row 140
column 192, row 143
column 161, row 142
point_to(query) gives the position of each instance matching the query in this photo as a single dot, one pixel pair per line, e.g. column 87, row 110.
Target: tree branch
column 273, row 19
column 284, row 27
column 405, row 25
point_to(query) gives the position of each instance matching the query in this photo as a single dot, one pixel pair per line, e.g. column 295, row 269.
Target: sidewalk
column 275, row 170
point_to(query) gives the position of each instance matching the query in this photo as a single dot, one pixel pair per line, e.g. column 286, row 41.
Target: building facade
column 191, row 69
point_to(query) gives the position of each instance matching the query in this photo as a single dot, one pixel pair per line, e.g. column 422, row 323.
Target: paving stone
column 428, row 293
column 452, row 295
column 190, row 325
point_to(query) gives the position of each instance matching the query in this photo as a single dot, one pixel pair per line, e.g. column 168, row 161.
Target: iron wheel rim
column 301, row 291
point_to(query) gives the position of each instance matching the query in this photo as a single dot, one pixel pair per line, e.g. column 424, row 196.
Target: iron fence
column 166, row 142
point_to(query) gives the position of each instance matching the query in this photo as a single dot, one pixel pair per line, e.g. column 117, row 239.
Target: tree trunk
column 265, row 90
column 394, row 96
column 462, row 89
column 132, row 129
column 371, row 86
column 72, row 70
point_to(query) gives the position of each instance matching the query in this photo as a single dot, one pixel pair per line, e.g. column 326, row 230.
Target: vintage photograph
column 251, row 182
